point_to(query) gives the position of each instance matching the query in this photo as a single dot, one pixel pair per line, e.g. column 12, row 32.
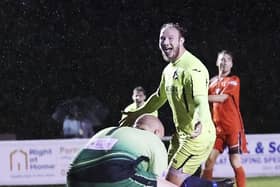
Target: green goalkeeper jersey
column 122, row 144
column 181, row 83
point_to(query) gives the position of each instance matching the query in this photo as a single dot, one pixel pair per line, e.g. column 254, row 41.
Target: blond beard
column 167, row 59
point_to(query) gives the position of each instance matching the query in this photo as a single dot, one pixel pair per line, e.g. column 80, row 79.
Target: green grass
column 263, row 182
column 251, row 182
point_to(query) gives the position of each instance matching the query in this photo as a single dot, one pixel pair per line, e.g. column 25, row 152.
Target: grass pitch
column 263, row 182
column 251, row 182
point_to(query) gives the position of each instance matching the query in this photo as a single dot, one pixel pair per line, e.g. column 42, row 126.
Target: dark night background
column 53, row 50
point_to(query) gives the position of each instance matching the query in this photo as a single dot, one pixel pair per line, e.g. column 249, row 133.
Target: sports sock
column 207, row 174
column 194, row 181
column 240, row 177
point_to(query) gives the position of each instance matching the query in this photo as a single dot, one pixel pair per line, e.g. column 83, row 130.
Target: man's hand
column 197, row 130
column 128, row 119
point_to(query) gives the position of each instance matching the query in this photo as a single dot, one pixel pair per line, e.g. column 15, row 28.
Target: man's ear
column 182, row 40
column 156, row 132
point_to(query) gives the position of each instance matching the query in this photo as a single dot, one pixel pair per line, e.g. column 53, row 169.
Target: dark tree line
column 52, row 51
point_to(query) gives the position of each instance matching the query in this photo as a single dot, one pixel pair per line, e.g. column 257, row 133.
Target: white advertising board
column 40, row 162
column 263, row 158
column 36, row 161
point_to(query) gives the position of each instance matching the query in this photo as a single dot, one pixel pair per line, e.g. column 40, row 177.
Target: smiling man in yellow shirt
column 184, row 84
